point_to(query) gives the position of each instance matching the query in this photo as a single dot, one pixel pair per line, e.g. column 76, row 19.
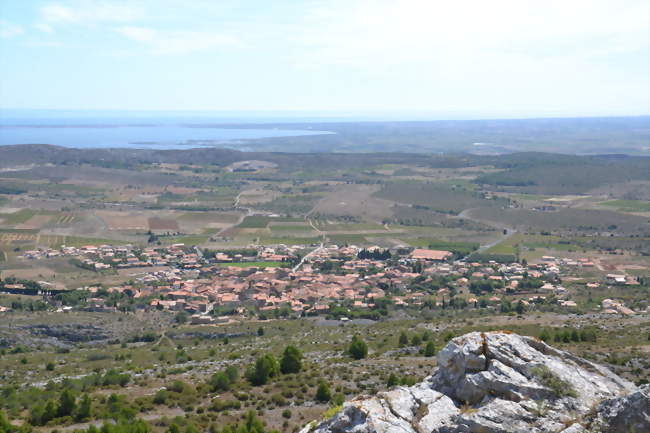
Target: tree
column 84, row 410
column 358, row 348
column 575, row 336
column 323, row 392
column 291, row 360
column 545, row 336
column 260, row 331
column 5, row 425
column 392, row 380
column 181, row 317
column 520, row 308
column 416, row 340
column 67, row 403
column 430, row 349
column 403, row 339
column 232, row 373
column 220, row 382
column 265, row 368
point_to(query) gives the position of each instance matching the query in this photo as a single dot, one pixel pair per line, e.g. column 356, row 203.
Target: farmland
column 480, row 208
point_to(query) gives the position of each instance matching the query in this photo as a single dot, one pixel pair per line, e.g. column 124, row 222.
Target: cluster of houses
column 182, row 279
column 108, row 256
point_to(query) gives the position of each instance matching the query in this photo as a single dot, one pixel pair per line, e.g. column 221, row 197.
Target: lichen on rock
column 499, row 382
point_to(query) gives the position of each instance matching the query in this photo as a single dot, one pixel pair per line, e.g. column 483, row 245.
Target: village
column 221, row 286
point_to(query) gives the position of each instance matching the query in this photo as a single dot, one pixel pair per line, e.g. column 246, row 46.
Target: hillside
column 501, row 382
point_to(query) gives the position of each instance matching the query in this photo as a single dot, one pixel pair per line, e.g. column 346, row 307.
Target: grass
column 261, row 221
column 18, row 217
column 437, row 244
column 628, row 205
column 350, row 227
column 291, row 228
column 290, row 240
column 503, row 248
column 560, row 387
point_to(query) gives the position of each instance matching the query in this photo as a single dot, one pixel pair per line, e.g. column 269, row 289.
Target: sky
column 470, row 58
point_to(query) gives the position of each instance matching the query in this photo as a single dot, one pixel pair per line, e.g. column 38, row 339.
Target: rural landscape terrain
column 225, row 291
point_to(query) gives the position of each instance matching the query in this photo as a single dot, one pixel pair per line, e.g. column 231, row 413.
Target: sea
column 147, row 130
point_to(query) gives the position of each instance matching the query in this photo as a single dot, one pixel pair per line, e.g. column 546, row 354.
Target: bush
column 291, row 360
column 265, row 368
column 161, row 396
column 560, row 387
column 430, row 349
column 323, row 392
column 220, row 382
column 358, row 348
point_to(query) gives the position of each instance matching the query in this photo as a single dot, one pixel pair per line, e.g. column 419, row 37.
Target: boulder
column 500, row 382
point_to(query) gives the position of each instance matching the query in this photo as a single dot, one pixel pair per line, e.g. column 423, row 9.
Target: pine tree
column 392, row 380
column 358, row 348
column 403, row 339
column 291, row 360
column 430, row 349
column 323, row 393
column 84, row 410
column 545, row 336
column 67, row 403
column 265, row 368
column 520, row 307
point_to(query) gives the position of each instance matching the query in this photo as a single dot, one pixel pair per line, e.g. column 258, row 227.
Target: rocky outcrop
column 500, row 382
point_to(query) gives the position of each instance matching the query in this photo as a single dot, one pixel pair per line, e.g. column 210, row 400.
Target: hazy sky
column 512, row 58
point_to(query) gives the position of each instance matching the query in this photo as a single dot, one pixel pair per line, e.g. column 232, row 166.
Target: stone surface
column 498, row 382
column 630, row 413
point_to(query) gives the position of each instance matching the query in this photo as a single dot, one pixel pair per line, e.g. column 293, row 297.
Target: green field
column 290, row 240
column 261, row 221
column 18, row 217
column 437, row 244
column 628, row 205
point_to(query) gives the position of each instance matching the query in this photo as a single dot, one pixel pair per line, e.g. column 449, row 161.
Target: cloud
column 358, row 32
column 89, row 12
column 45, row 28
column 178, row 42
column 10, row 30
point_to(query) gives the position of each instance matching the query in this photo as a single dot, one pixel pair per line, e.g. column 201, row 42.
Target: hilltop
column 501, row 382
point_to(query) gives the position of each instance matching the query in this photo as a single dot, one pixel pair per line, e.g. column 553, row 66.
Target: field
column 507, row 207
column 185, row 358
column 628, row 205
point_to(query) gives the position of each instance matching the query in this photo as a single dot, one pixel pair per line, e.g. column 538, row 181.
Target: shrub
column 323, row 392
column 265, row 368
column 358, row 348
column 560, row 387
column 291, row 360
column 430, row 349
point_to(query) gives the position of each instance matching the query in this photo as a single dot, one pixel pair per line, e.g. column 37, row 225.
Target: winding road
column 509, row 231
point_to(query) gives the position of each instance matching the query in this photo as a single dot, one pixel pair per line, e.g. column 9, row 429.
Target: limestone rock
column 630, row 413
column 500, row 382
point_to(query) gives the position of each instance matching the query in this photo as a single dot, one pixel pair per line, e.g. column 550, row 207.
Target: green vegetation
column 628, row 205
column 291, row 361
column 560, row 387
column 358, row 348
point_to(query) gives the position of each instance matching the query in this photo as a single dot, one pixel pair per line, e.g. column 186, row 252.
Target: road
column 311, row 253
column 509, row 231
